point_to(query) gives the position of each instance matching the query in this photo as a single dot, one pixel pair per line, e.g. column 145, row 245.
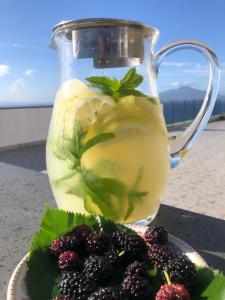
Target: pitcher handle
column 180, row 144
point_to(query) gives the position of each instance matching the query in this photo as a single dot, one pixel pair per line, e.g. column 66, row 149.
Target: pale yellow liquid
column 139, row 150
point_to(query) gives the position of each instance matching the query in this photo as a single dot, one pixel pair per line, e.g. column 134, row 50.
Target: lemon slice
column 71, row 88
column 132, row 112
column 86, row 108
column 65, row 98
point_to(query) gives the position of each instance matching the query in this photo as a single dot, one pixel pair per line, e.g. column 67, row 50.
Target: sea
column 175, row 111
column 181, row 111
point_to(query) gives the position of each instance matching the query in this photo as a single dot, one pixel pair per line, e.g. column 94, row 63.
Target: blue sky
column 29, row 69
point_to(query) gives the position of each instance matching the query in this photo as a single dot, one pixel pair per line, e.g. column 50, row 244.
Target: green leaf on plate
column 210, row 285
column 42, row 274
column 109, row 226
column 55, row 223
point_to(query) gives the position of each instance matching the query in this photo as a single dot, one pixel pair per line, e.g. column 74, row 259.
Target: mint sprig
column 100, row 195
column 71, row 150
column 118, row 88
column 105, row 195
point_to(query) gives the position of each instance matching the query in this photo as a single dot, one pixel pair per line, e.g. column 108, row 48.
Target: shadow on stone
column 205, row 234
column 29, row 157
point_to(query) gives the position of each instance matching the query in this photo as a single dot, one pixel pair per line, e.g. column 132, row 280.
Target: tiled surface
column 23, row 194
column 198, row 183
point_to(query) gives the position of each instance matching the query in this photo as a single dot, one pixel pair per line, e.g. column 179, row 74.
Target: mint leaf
column 66, row 177
column 118, row 88
column 80, row 189
column 100, row 138
column 133, row 198
column 153, row 100
column 132, row 92
column 77, row 140
column 106, row 84
column 71, row 150
column 62, row 149
column 114, row 187
column 100, row 194
column 134, row 195
column 131, row 80
column 97, row 191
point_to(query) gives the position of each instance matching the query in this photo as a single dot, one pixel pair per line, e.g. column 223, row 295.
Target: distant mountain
column 184, row 93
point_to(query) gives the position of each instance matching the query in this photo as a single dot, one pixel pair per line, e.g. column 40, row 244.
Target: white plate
column 17, row 289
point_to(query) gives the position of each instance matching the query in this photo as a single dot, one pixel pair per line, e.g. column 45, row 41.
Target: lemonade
column 107, row 150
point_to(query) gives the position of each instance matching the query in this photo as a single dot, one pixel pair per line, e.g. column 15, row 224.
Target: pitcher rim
column 103, row 22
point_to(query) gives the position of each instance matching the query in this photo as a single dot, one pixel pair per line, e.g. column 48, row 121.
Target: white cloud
column 4, row 70
column 175, row 64
column 177, row 84
column 193, row 68
column 198, row 69
column 17, row 85
column 30, row 73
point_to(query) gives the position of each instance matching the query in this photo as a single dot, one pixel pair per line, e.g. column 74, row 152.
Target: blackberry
column 107, row 293
column 64, row 243
column 156, row 235
column 115, row 257
column 137, row 268
column 76, row 285
column 82, row 231
column 173, row 292
column 97, row 242
column 97, row 268
column 181, row 270
column 159, row 255
column 68, row 260
column 136, row 287
column 133, row 245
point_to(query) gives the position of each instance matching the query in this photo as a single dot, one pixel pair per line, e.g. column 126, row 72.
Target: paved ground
column 193, row 209
column 198, row 183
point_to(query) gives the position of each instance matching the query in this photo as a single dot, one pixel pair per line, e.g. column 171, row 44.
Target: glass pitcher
column 108, row 151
